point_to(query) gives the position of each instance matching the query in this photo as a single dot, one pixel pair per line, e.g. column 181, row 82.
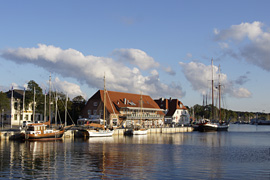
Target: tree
column 4, row 101
column 78, row 104
column 39, row 97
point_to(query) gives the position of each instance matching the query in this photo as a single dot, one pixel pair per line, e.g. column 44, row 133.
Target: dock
column 13, row 134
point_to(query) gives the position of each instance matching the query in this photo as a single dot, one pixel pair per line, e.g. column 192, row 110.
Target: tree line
column 234, row 116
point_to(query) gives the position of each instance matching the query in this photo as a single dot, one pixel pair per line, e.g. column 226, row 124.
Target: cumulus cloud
column 136, row 57
column 65, row 87
column 200, row 76
column 249, row 42
column 90, row 69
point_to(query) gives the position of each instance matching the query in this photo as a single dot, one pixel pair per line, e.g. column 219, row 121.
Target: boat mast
column 213, row 112
column 219, row 94
column 50, row 98
column 104, row 106
column 44, row 119
column 34, row 107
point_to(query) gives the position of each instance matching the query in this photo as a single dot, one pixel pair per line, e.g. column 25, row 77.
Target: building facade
column 124, row 109
column 176, row 112
column 16, row 113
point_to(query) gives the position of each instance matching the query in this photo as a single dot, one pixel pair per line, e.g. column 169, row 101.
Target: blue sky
column 159, row 48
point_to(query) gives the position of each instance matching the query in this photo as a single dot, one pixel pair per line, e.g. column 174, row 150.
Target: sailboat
column 100, row 131
column 43, row 131
column 139, row 130
column 212, row 125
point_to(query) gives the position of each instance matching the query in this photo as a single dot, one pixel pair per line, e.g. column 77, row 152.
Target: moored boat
column 140, row 132
column 40, row 131
column 214, row 125
column 208, row 126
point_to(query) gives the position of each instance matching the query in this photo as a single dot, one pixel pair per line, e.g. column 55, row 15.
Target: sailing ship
column 43, row 131
column 138, row 130
column 100, row 130
column 214, row 125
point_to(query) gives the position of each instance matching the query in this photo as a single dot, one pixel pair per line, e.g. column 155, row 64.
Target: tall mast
column 23, row 103
column 66, row 110
column 45, row 107
column 219, row 94
column 104, row 99
column 213, row 112
column 34, row 107
column 50, row 98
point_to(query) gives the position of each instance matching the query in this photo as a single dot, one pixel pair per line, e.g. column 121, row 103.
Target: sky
column 155, row 47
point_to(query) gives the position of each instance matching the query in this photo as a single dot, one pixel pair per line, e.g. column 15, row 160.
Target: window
column 95, row 103
column 89, row 111
column 16, row 106
column 114, row 122
column 95, row 112
column 26, row 117
column 15, row 117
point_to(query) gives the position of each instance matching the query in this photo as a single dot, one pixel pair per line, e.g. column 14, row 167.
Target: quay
column 15, row 133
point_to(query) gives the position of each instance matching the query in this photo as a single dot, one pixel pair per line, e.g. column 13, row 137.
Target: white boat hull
column 100, row 133
column 140, row 132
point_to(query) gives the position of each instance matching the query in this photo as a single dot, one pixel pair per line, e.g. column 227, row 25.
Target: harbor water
column 241, row 153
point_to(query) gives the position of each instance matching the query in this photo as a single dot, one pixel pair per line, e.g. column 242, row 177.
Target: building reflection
column 112, row 157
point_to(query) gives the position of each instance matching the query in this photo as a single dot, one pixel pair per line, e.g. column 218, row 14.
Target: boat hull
column 47, row 136
column 100, row 133
column 208, row 127
column 139, row 132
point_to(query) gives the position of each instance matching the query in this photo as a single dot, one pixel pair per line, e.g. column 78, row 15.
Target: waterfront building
column 17, row 112
column 176, row 112
column 124, row 109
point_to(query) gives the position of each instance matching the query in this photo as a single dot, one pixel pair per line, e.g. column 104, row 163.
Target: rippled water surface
column 241, row 153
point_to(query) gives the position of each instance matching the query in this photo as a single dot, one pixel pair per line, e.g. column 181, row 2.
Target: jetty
column 15, row 133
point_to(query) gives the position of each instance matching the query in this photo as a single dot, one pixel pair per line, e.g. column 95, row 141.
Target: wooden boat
column 40, row 131
column 214, row 125
column 43, row 131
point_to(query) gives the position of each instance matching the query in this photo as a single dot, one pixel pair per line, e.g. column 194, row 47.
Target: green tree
column 78, row 104
column 4, row 101
column 39, row 97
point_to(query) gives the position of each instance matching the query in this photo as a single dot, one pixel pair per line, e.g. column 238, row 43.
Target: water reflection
column 226, row 155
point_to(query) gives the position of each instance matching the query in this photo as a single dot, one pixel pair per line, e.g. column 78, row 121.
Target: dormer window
column 95, row 103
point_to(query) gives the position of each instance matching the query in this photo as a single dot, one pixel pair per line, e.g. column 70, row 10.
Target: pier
column 13, row 134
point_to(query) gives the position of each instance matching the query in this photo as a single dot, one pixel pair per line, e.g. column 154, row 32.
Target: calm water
column 241, row 153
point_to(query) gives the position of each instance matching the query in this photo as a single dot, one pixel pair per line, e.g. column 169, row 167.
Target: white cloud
column 136, row 57
column 250, row 43
column 239, row 32
column 90, row 69
column 241, row 93
column 200, row 76
column 169, row 70
column 71, row 89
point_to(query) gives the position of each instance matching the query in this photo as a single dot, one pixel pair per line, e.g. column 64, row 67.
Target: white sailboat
column 213, row 125
column 101, row 131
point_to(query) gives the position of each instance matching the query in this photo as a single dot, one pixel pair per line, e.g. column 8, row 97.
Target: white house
column 176, row 112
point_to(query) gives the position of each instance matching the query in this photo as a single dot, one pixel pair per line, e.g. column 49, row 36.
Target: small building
column 16, row 113
column 176, row 112
column 124, row 109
